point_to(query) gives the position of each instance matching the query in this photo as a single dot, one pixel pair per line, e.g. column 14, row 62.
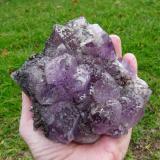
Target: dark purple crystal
column 78, row 87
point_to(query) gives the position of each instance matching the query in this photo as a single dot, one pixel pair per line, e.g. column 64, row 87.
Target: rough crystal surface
column 78, row 87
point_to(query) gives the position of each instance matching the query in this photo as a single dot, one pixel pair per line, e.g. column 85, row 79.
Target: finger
column 26, row 114
column 117, row 146
column 130, row 59
column 117, row 45
column 26, row 122
column 123, row 143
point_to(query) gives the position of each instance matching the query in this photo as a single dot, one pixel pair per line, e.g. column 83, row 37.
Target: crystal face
column 78, row 87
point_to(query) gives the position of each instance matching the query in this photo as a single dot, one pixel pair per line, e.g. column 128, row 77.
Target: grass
column 24, row 27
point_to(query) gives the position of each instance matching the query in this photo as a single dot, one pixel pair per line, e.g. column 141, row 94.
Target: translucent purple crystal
column 78, row 87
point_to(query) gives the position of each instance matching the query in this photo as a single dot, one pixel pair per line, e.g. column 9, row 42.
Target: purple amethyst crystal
column 78, row 87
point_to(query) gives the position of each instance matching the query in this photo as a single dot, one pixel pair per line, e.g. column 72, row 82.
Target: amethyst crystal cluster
column 79, row 89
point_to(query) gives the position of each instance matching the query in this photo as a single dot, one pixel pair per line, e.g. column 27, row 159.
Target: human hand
column 106, row 148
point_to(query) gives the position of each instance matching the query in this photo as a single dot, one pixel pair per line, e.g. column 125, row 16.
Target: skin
column 106, row 148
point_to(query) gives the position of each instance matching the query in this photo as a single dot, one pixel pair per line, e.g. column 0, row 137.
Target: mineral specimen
column 78, row 87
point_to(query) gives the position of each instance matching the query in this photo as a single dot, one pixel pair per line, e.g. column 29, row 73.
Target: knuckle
column 117, row 155
column 22, row 131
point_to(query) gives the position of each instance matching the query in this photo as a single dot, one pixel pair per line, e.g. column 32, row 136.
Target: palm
column 106, row 148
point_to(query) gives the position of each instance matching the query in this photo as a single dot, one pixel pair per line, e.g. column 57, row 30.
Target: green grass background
column 26, row 24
